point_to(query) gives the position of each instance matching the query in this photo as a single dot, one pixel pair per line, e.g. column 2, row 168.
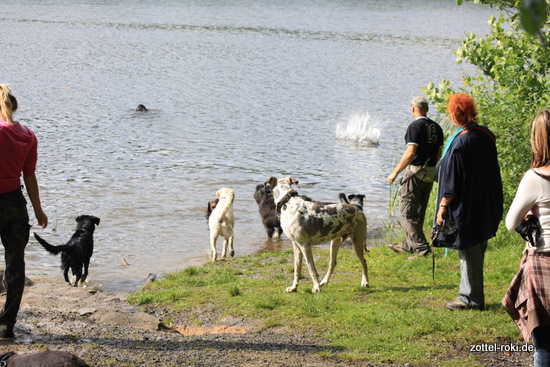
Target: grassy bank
column 400, row 318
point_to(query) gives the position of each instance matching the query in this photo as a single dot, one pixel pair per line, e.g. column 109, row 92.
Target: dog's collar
column 289, row 195
column 5, row 357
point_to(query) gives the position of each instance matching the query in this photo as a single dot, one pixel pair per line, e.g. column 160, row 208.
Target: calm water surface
column 237, row 90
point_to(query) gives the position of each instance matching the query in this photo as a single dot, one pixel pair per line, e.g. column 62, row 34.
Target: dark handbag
column 444, row 235
column 530, row 230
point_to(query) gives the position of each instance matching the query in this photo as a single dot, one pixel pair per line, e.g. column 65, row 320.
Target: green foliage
column 510, row 87
column 533, row 13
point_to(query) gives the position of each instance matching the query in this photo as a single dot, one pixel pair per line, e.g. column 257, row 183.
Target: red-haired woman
column 469, row 198
column 17, row 155
column 528, row 298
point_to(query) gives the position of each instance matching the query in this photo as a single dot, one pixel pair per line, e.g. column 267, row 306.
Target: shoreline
column 105, row 330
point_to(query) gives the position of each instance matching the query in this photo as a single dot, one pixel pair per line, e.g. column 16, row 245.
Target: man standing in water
column 424, row 139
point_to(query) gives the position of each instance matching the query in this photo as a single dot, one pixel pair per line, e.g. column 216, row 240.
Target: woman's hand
column 441, row 214
column 41, row 218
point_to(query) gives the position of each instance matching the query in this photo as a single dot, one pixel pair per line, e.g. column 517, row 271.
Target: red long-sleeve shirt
column 18, row 153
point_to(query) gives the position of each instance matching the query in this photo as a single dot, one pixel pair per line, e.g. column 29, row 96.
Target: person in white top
column 528, row 298
column 533, row 198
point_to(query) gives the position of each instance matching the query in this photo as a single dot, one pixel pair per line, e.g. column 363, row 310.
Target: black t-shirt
column 428, row 135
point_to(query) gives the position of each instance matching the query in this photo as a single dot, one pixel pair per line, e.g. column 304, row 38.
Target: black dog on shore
column 353, row 199
column 49, row 358
column 266, row 206
column 76, row 253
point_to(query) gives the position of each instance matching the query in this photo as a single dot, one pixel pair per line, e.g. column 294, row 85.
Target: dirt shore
column 105, row 330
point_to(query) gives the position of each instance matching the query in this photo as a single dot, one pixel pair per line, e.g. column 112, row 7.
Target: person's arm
column 32, row 190
column 406, row 159
column 443, row 208
column 529, row 190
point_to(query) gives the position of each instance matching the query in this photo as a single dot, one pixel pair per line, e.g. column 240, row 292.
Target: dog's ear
column 212, row 205
column 343, row 198
column 96, row 221
column 292, row 180
column 78, row 219
column 358, row 196
column 272, row 181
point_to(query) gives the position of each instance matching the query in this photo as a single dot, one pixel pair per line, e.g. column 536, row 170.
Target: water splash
column 359, row 127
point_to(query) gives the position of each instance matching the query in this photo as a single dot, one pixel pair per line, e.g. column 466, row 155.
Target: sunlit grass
column 399, row 319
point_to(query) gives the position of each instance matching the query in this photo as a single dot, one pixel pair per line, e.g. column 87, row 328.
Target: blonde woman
column 18, row 155
column 528, row 298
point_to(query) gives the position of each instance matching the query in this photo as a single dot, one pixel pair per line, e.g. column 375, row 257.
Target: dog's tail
column 54, row 250
column 224, row 203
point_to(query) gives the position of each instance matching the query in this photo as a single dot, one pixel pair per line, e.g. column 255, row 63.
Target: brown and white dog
column 309, row 223
column 211, row 205
column 42, row 359
column 221, row 223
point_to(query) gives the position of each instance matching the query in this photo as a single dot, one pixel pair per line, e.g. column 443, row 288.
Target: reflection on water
column 236, row 92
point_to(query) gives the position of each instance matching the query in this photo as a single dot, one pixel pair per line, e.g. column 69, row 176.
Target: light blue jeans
column 471, row 275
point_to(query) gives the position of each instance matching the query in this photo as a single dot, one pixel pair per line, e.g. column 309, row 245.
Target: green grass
column 399, row 319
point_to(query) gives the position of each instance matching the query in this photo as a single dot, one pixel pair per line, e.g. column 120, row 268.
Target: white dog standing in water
column 221, row 222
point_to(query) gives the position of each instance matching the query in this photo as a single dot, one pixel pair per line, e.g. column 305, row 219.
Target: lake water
column 237, row 91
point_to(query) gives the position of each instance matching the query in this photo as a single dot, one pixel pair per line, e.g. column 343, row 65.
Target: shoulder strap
column 541, row 175
column 480, row 129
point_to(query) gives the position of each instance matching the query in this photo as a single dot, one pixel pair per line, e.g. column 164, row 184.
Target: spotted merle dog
column 309, row 223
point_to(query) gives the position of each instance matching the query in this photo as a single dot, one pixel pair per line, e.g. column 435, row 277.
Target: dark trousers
column 14, row 232
column 541, row 341
column 415, row 194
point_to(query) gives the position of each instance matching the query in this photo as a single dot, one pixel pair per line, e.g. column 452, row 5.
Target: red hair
column 462, row 108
